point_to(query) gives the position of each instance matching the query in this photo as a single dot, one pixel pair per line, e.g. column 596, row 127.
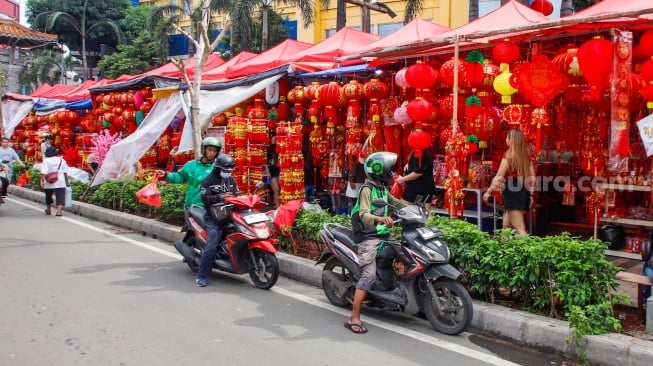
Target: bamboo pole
column 437, row 42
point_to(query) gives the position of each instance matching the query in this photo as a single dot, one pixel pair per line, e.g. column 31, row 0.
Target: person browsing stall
column 194, row 171
column 218, row 185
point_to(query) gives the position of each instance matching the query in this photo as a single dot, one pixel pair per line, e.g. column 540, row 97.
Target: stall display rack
column 478, row 213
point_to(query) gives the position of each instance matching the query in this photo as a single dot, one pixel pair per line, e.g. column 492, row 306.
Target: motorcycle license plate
column 257, row 217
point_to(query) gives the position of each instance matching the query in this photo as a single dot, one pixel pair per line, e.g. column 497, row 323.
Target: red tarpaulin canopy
column 218, row 73
column 276, row 56
column 171, row 71
column 43, row 88
column 58, row 91
column 344, row 41
column 81, row 92
column 415, row 31
column 612, row 7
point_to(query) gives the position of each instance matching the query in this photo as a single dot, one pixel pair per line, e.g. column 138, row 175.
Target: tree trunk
column 566, row 8
column 473, row 10
column 341, row 15
column 264, row 34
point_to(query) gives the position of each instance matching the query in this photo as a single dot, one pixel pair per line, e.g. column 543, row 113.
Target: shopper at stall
column 418, row 179
column 194, row 171
column 516, row 182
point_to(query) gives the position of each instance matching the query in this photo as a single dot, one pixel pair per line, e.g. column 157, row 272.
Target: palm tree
column 52, row 18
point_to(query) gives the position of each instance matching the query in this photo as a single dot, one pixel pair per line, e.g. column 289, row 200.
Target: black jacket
column 214, row 186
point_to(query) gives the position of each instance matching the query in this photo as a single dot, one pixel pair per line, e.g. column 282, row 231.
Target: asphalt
column 542, row 333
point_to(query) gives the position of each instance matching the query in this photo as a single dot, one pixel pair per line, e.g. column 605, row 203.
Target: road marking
column 462, row 350
column 109, row 233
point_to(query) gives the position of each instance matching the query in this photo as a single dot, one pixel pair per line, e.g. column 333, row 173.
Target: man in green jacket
column 194, row 171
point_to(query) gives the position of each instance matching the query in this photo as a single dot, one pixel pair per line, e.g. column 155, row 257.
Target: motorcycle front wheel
column 451, row 310
column 264, row 272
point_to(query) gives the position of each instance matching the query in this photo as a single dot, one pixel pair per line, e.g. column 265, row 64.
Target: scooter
column 431, row 287
column 246, row 246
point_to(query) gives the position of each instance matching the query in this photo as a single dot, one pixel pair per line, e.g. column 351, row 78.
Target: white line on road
column 484, row 357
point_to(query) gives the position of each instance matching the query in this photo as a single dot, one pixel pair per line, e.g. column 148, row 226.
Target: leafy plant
column 172, row 202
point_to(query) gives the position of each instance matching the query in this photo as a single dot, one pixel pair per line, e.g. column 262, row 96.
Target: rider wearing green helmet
column 195, row 171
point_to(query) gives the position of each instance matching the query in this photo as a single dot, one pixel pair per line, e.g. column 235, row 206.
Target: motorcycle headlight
column 262, row 233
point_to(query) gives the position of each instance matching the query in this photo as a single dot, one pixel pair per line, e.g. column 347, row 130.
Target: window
column 385, row 29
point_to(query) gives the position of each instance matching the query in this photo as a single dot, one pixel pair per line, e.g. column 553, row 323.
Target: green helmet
column 378, row 166
column 210, row 141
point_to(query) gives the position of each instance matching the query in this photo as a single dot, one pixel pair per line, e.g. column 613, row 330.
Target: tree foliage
column 44, row 66
column 145, row 49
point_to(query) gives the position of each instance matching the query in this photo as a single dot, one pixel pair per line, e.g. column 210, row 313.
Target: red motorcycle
column 246, row 246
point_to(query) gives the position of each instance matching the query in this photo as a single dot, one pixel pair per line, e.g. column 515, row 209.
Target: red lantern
column 505, row 51
column 647, row 70
column 353, row 90
column 329, row 94
column 147, row 92
column 311, row 90
column 297, row 95
column 475, row 73
column 543, row 6
column 376, row 89
column 419, row 141
column 567, row 63
column 647, row 94
column 420, row 109
column 513, row 114
column 283, row 109
column 595, row 59
column 421, row 75
column 646, row 43
column 447, row 75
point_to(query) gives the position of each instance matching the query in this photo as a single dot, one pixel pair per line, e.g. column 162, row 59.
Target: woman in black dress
column 418, row 178
column 516, row 181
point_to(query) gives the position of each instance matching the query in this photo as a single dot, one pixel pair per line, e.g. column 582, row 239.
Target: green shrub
column 172, row 203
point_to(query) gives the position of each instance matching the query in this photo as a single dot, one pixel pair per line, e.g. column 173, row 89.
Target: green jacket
column 192, row 173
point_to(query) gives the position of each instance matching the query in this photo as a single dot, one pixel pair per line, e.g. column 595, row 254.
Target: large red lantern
column 353, row 90
column 647, row 70
column 376, row 89
column 311, row 90
column 595, row 60
column 567, row 63
column 329, row 94
column 297, row 96
column 647, row 94
column 421, row 75
column 543, row 6
column 420, row 109
column 447, row 74
column 505, row 51
column 283, row 109
column 646, row 43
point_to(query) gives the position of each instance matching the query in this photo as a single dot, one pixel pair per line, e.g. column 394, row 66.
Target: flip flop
column 47, row 212
column 356, row 328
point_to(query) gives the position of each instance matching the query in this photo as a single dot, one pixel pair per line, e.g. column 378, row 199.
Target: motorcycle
column 246, row 246
column 431, row 287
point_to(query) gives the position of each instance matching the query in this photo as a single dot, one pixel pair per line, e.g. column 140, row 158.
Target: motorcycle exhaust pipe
column 340, row 287
column 184, row 250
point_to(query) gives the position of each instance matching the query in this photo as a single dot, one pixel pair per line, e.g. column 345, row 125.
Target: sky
column 23, row 6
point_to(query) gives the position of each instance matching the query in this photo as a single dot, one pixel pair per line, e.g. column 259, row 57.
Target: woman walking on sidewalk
column 53, row 163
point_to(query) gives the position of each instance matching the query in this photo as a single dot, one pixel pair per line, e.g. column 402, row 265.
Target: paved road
column 78, row 292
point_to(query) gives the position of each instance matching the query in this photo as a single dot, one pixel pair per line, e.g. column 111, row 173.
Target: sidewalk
column 519, row 327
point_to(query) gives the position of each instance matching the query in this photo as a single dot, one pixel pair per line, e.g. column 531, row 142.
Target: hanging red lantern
column 472, row 108
column 567, row 63
column 147, row 92
column 646, row 43
column 311, row 90
column 445, row 107
column 595, row 60
column 421, row 75
column 297, row 96
column 418, row 140
column 219, row 119
column 543, row 6
column 353, row 90
column 513, row 114
column 647, row 70
column 447, row 74
column 376, row 89
column 647, row 94
column 283, row 109
column 420, row 109
column 505, row 51
column 328, row 94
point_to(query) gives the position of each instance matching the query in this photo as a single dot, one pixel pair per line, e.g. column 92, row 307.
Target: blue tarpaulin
column 80, row 104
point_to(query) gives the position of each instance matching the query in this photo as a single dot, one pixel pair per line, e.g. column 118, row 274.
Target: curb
column 542, row 333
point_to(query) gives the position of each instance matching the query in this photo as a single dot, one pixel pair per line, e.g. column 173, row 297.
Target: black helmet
column 225, row 163
column 378, row 166
column 210, row 141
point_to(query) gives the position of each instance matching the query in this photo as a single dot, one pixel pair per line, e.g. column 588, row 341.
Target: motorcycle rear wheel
column 193, row 264
column 451, row 311
column 268, row 269
column 339, row 270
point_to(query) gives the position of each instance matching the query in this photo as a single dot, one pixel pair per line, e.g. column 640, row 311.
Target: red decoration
column 311, row 90
column 353, row 90
column 421, row 75
column 447, row 75
column 376, row 89
column 329, row 94
column 505, row 51
column 297, row 95
column 543, row 6
column 539, row 80
column 646, row 43
column 567, row 63
column 595, row 59
column 647, row 70
column 283, row 109
column 419, row 141
column 420, row 109
column 475, row 73
column 513, row 114
column 647, row 94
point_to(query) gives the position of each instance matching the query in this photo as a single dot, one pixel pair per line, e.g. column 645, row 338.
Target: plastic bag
column 285, row 216
column 69, row 197
column 397, row 190
column 150, row 194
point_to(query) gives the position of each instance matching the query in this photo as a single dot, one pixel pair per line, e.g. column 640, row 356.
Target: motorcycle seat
column 197, row 213
column 345, row 236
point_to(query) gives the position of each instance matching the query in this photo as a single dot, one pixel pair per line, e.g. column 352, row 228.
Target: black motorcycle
column 431, row 288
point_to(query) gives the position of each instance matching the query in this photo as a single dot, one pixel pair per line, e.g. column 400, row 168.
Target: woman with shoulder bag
column 53, row 163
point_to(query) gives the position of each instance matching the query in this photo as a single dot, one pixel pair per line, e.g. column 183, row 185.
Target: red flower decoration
column 540, row 80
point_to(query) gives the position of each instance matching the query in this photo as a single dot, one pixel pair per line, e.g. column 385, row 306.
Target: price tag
column 645, row 126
